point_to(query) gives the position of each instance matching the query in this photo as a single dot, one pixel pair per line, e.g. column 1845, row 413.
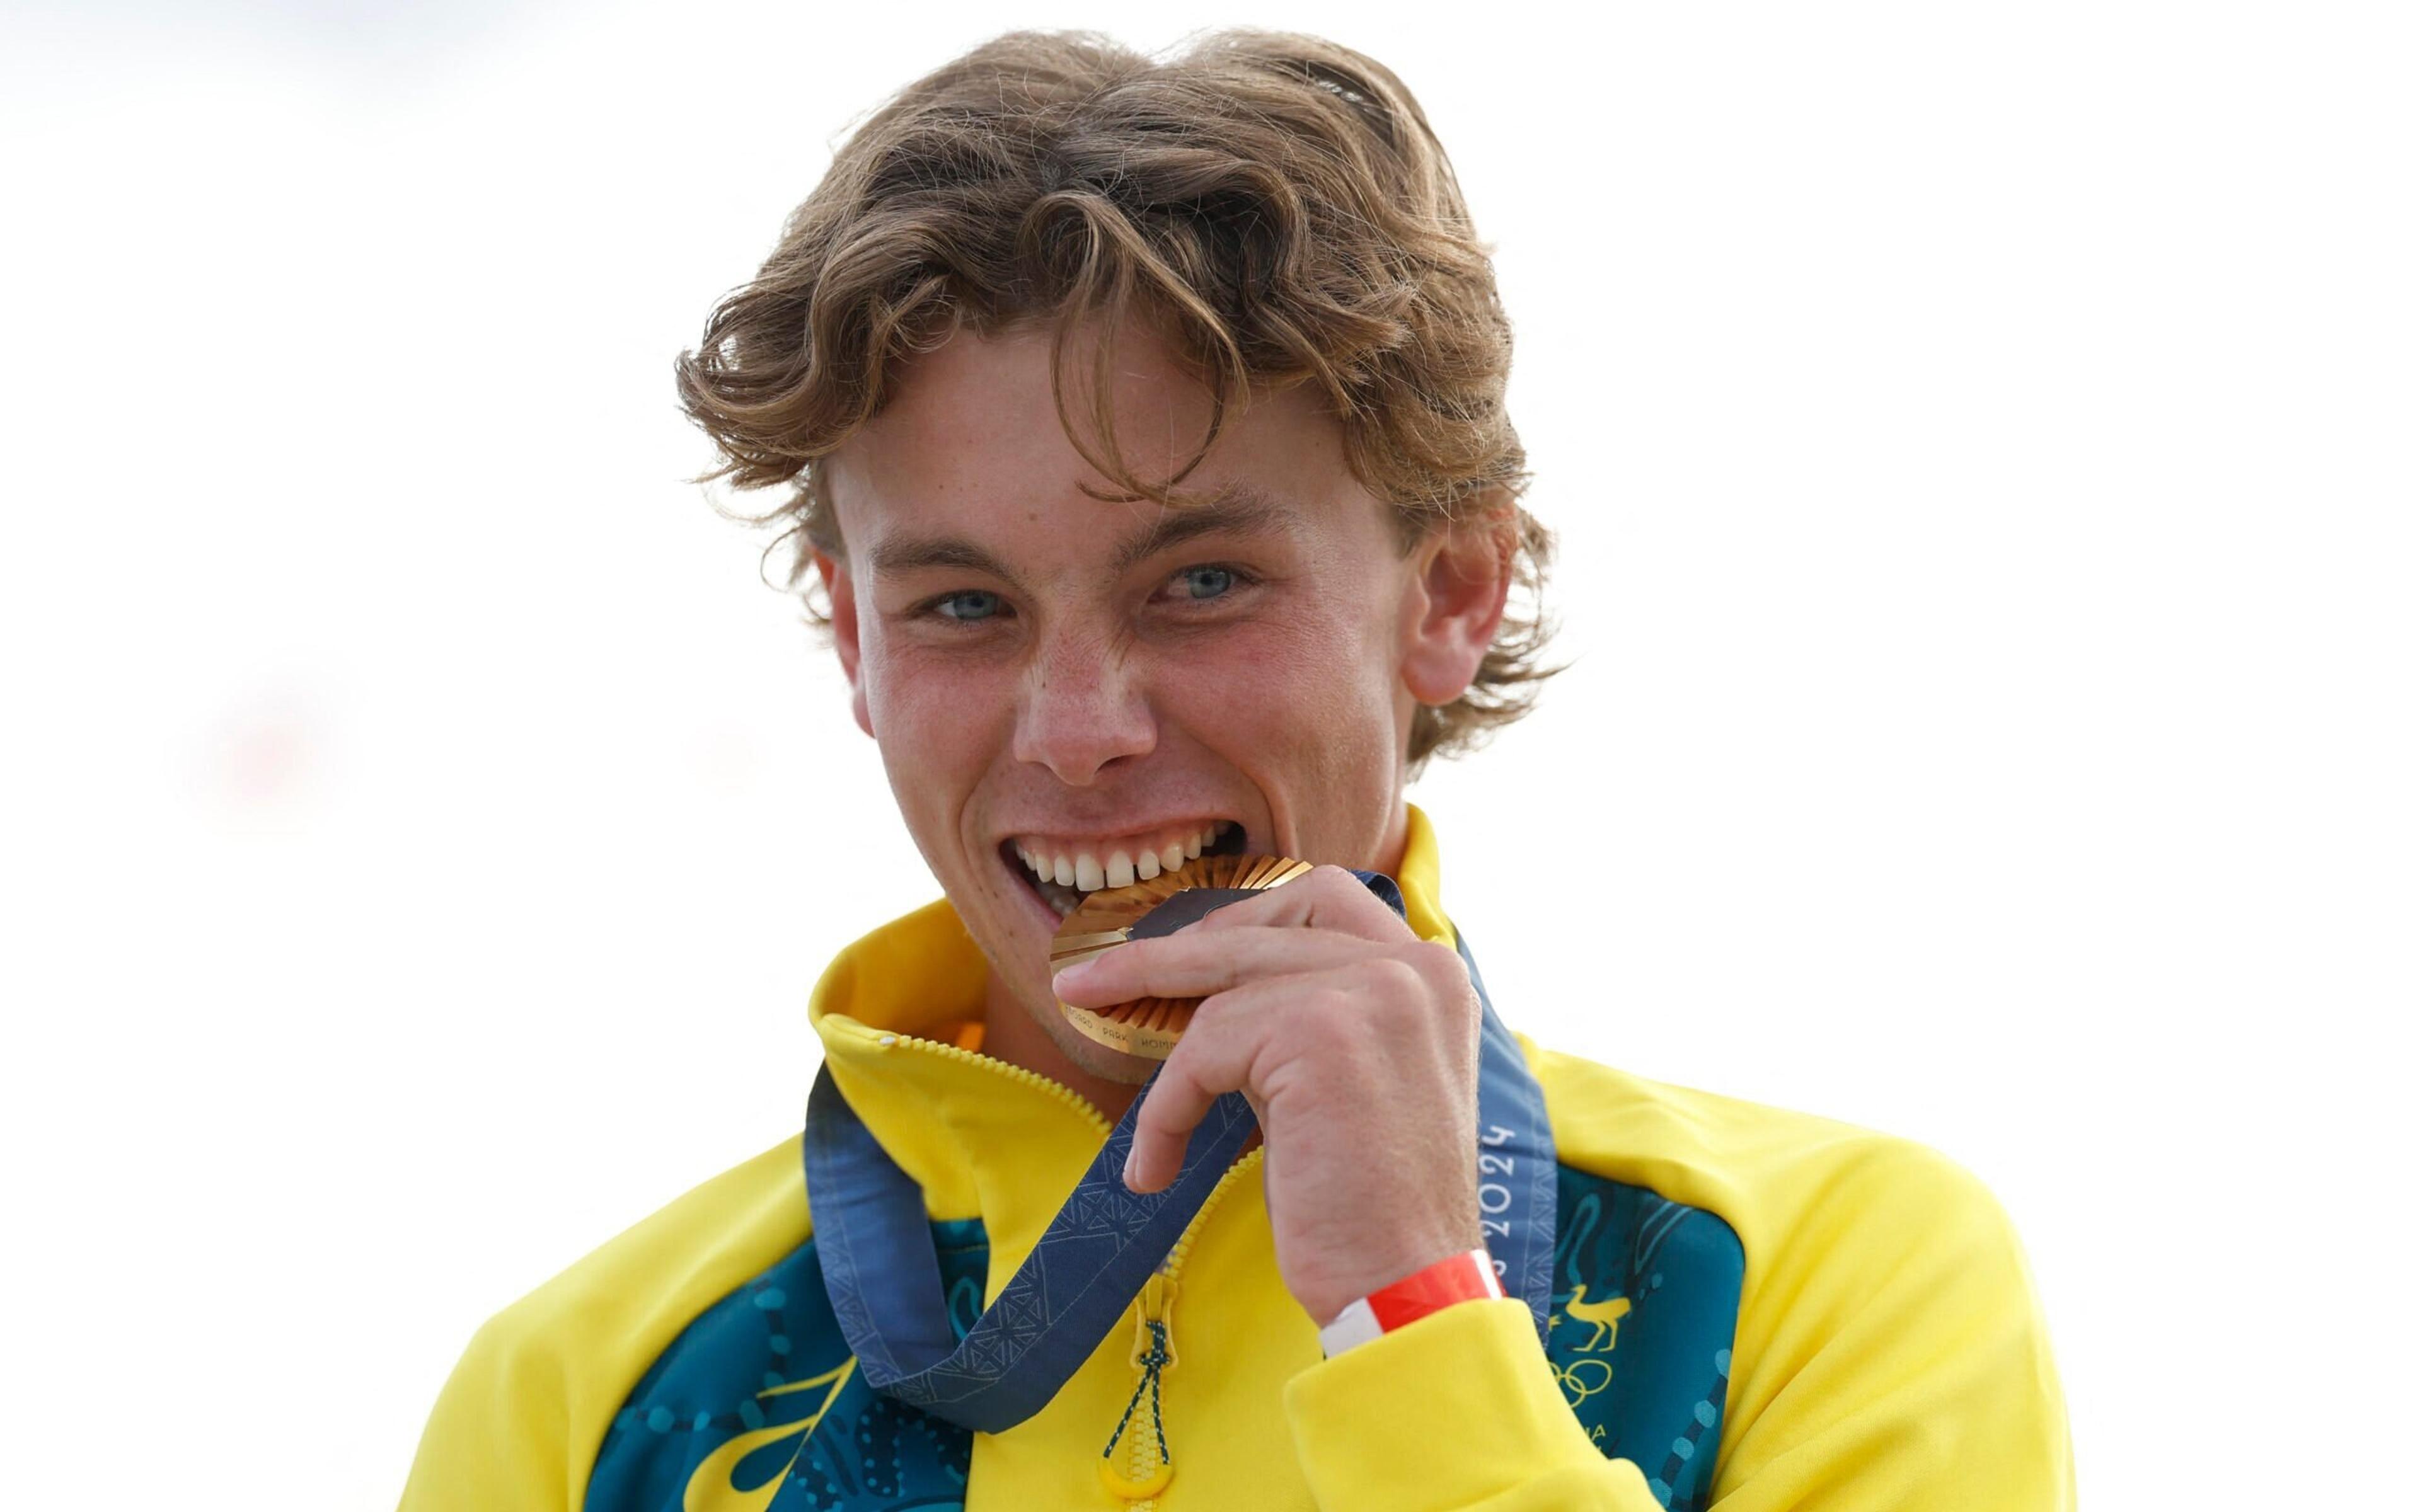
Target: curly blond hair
column 1274, row 202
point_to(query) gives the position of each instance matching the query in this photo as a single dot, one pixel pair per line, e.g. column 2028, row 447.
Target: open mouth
column 1064, row 876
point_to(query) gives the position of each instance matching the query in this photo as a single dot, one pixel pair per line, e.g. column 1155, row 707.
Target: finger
column 1327, row 899
column 1325, row 896
column 1245, row 1041
column 1200, row 1070
column 1190, row 963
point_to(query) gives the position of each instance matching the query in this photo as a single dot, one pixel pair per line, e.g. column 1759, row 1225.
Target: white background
column 1983, row 442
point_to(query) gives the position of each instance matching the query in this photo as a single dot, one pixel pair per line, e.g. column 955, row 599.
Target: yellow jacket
column 1754, row 1310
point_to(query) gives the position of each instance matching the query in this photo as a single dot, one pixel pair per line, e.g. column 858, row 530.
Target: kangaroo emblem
column 1605, row 1316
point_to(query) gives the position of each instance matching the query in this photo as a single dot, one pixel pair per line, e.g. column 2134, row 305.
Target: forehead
column 971, row 439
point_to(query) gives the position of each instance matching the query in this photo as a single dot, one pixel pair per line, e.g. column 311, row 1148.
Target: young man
column 1145, row 423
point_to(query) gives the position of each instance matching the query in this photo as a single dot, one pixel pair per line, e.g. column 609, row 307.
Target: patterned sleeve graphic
column 758, row 1407
column 1646, row 1302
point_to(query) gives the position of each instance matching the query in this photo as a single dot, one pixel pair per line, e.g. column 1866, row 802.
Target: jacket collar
column 982, row 1137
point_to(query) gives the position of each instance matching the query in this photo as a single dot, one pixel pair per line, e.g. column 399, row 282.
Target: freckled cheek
column 936, row 719
column 1297, row 684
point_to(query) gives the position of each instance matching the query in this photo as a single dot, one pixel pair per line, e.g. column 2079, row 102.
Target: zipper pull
column 1157, row 1301
column 1155, row 1351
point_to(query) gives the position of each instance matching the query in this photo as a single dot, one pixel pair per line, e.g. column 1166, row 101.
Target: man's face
column 1060, row 682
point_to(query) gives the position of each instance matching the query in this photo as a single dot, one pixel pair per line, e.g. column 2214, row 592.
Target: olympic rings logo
column 1583, row 1379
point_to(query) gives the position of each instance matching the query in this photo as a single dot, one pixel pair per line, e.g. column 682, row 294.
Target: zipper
column 1064, row 1093
column 1154, row 1355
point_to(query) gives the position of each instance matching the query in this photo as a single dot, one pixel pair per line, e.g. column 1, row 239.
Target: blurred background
column 1983, row 445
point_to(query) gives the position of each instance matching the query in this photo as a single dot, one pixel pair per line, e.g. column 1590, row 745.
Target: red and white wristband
column 1467, row 1277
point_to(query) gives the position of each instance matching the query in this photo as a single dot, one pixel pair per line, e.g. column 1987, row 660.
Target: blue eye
column 968, row 605
column 1208, row 582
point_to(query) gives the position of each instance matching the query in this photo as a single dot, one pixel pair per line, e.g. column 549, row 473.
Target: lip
column 1034, row 902
column 1102, row 834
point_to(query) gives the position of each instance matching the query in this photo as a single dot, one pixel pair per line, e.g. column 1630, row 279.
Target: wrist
column 1327, row 1281
column 1466, row 1277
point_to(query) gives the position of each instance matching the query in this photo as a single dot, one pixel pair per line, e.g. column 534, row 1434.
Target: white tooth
column 1088, row 872
column 1063, row 873
column 1171, row 857
column 1147, row 865
column 1120, row 873
column 1193, row 846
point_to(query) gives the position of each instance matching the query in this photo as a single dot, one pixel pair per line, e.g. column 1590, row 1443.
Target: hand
column 1357, row 1043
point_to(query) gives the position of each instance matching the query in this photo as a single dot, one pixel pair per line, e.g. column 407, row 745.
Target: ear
column 843, row 593
column 1462, row 575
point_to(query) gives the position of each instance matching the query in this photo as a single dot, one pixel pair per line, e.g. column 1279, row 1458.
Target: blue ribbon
column 885, row 1279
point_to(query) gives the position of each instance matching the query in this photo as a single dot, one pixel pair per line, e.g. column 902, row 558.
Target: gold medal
column 1150, row 1026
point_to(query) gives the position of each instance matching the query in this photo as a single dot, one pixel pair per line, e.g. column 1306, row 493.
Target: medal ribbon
column 885, row 1279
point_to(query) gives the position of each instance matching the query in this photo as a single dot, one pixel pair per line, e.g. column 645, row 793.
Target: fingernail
column 1129, row 1172
column 1074, row 974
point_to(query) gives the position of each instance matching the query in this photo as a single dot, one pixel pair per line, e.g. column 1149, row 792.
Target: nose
column 1084, row 707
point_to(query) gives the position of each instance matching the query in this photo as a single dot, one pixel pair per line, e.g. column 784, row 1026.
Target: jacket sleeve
column 1457, row 1412
column 1893, row 1354
column 497, row 1438
column 518, row 1425
column 1890, row 1355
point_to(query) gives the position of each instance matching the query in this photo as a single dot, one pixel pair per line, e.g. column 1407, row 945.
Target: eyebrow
column 1235, row 508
